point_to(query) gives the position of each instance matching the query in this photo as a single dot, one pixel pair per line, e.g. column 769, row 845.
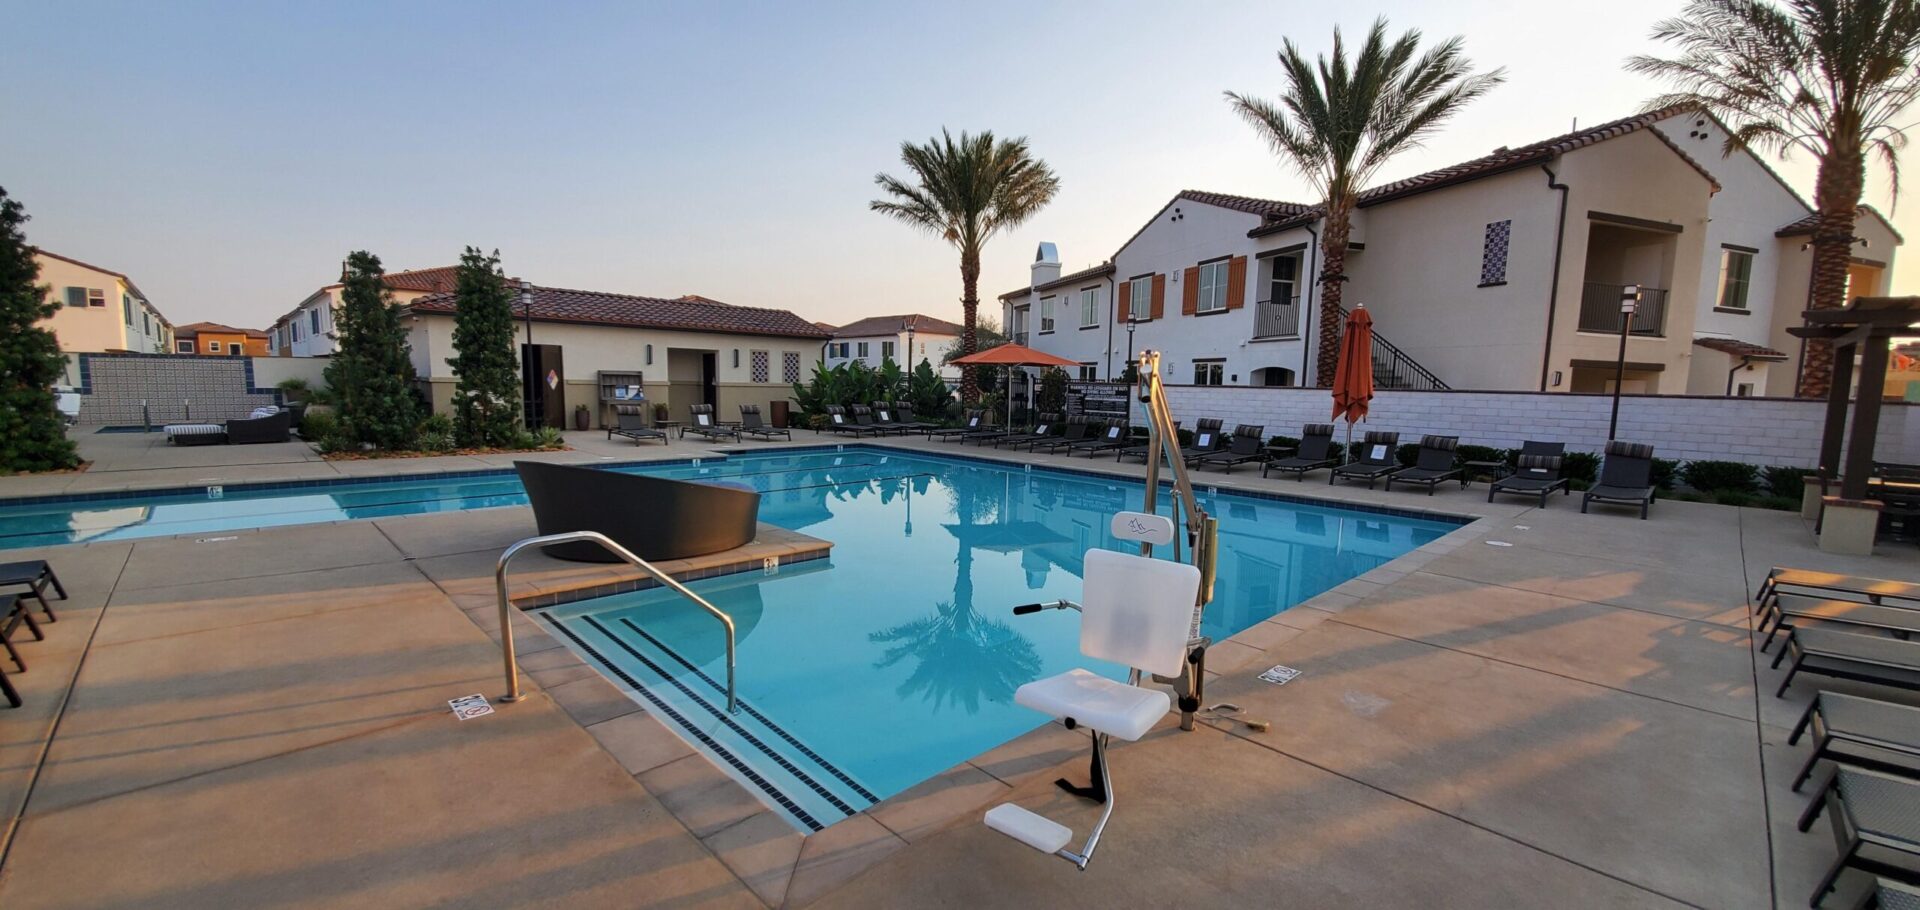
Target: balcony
column 1019, row 337
column 1277, row 318
column 1600, row 310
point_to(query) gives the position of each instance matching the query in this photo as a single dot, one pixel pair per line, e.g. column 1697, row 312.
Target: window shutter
column 1237, row 283
column 1122, row 302
column 1159, row 308
column 1190, row 294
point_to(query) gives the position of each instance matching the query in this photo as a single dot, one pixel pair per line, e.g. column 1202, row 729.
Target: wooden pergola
column 1865, row 327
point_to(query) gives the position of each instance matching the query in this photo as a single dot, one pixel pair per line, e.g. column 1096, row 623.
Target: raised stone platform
column 557, row 586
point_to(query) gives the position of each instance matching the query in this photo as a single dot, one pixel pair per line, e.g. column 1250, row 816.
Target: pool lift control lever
column 1137, row 611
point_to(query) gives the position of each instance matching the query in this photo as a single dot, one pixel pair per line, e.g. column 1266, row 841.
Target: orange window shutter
column 1190, row 294
column 1122, row 301
column 1237, row 283
column 1159, row 297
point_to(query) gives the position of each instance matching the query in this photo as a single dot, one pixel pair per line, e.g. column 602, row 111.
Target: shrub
column 1052, row 398
column 486, row 394
column 1732, row 498
column 1581, row 467
column 1482, row 453
column 432, row 441
column 1780, row 503
column 1665, row 470
column 1408, row 454
column 1720, row 476
column 1784, row 481
column 372, row 372
column 1186, row 436
column 1283, row 442
column 33, row 435
column 318, row 425
column 548, row 438
column 437, row 423
column 816, row 422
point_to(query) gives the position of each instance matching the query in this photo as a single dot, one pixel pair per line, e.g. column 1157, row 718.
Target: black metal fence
column 1600, row 310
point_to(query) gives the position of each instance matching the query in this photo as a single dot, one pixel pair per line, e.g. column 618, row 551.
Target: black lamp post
column 1131, row 324
column 1629, row 301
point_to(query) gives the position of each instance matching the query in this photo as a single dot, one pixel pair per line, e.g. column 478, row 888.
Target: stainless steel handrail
column 506, row 604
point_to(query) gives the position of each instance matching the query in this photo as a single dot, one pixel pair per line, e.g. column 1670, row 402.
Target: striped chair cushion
column 631, row 410
column 264, row 411
column 1443, row 443
column 1630, row 449
column 1540, row 462
column 194, row 429
column 1318, row 429
column 1376, row 437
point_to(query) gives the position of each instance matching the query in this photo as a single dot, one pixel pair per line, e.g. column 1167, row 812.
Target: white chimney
column 1046, row 264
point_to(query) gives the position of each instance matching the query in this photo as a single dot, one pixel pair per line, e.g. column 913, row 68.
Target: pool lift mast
column 1202, row 530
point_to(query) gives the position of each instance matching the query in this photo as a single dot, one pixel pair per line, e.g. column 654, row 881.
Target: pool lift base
column 1141, row 612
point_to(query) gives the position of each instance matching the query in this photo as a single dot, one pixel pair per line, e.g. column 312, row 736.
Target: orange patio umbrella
column 1353, row 378
column 1012, row 355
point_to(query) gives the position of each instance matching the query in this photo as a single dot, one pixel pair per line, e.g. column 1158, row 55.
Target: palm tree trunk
column 1837, row 196
column 970, row 311
column 1332, row 276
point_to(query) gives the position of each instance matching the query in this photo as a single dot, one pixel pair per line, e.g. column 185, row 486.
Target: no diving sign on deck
column 468, row 707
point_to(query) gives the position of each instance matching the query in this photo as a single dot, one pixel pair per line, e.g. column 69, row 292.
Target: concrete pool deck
column 262, row 721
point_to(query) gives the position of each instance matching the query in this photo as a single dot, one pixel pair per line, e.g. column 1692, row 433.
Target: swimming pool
column 864, row 674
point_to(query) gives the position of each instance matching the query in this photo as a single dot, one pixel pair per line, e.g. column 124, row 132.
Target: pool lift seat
column 1138, row 611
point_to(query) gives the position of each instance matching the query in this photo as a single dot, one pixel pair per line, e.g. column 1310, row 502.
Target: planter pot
column 581, row 420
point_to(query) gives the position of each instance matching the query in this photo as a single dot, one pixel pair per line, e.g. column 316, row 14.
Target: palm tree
column 966, row 191
column 1823, row 76
column 1338, row 122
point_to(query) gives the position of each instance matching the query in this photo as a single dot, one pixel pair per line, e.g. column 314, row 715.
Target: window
column 146, row 323
column 213, row 347
column 1087, row 373
column 1283, row 279
column 1140, row 299
column 183, row 347
column 77, row 297
column 1743, row 390
column 863, row 350
column 96, row 297
column 313, row 320
column 886, row 350
column 789, row 366
column 1213, row 288
column 736, row 358
column 1208, row 372
column 1046, row 315
column 1493, row 253
column 126, row 308
column 295, row 328
column 762, row 366
column 649, row 355
column 1089, row 308
column 1736, row 272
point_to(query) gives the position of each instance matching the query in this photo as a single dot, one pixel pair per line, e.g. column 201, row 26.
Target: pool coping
column 944, row 800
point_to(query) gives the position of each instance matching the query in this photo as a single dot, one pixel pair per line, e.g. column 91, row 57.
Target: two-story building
column 215, row 340
column 906, row 340
column 1504, row 272
column 101, row 310
column 308, row 329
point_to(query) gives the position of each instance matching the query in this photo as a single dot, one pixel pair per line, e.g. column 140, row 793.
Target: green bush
column 548, row 438
column 1784, row 481
column 430, row 441
column 1481, row 453
column 1732, row 498
column 1720, row 476
column 1779, row 503
column 1408, row 454
column 1665, row 471
column 1282, row 442
column 437, row 423
column 318, row 425
column 1582, row 467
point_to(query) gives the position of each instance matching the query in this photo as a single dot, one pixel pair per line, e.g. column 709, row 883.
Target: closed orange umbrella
column 1353, row 378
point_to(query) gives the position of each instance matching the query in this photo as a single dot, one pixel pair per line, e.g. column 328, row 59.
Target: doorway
column 543, row 386
column 710, row 379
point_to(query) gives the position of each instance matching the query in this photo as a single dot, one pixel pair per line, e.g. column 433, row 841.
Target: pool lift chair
column 1137, row 611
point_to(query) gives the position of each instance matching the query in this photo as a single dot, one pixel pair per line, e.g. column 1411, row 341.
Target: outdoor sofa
column 655, row 517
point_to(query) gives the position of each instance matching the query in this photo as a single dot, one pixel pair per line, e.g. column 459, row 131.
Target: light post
column 1131, row 324
column 1629, row 301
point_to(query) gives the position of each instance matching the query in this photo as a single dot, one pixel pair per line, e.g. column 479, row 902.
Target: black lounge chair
column 970, row 422
column 752, row 425
column 630, row 421
column 1863, row 732
column 1315, row 452
column 837, row 422
column 1626, row 478
column 35, row 576
column 1537, row 472
column 904, row 416
column 1846, row 655
column 885, row 416
column 863, row 417
column 1041, row 430
column 1791, row 610
column 1434, row 465
column 1377, row 459
column 275, row 427
column 654, row 517
column 14, row 613
column 1248, row 444
column 1137, row 447
column 1209, row 436
column 1857, row 588
column 987, row 431
column 1887, row 894
column 1079, row 428
column 1875, row 819
column 705, row 425
column 1113, row 436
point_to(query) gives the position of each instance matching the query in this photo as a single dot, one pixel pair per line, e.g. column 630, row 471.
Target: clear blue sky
column 227, row 156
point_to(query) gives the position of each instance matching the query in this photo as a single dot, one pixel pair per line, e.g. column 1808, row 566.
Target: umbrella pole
column 1349, row 440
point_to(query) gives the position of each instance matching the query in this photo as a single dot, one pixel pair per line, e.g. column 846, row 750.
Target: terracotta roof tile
column 600, row 308
column 1805, row 225
column 1248, row 204
column 195, row 328
column 437, row 280
column 1739, row 348
column 893, row 325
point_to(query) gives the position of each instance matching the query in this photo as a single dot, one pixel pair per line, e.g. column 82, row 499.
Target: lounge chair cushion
column 1630, row 449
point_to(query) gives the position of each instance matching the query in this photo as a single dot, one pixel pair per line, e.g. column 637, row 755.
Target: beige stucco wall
column 588, row 349
column 1638, row 176
column 97, row 328
column 1792, row 290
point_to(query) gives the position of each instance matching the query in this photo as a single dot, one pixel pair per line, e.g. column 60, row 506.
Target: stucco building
column 216, row 340
column 308, row 329
column 101, row 310
column 906, row 340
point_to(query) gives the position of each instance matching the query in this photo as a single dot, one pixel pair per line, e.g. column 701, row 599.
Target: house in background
column 906, row 340
column 307, row 330
column 596, row 349
column 101, row 310
column 215, row 340
column 1504, row 273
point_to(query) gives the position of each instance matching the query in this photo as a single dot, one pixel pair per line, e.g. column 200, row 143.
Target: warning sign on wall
column 553, row 379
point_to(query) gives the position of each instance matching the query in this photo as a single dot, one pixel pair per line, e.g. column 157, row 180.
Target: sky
column 228, row 156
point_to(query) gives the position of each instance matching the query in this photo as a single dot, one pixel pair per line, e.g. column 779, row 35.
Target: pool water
column 863, row 674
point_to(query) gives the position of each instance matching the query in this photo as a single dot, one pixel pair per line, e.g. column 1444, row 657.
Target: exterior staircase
column 1394, row 369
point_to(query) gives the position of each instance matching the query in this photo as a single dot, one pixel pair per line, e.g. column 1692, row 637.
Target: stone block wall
column 114, row 386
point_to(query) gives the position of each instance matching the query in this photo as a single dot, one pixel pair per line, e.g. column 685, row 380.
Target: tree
column 372, row 373
column 1827, row 77
column 927, row 392
column 32, row 435
column 1053, row 391
column 966, row 191
column 1340, row 121
column 988, row 334
column 486, row 391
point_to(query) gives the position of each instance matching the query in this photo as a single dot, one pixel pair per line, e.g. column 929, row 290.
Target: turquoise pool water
column 860, row 675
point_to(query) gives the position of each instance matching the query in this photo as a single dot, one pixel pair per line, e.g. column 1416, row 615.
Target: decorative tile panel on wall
column 1762, row 431
column 174, row 388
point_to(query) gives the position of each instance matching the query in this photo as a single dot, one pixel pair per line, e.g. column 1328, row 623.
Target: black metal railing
column 1600, row 310
column 1276, row 318
column 1019, row 338
column 1393, row 369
